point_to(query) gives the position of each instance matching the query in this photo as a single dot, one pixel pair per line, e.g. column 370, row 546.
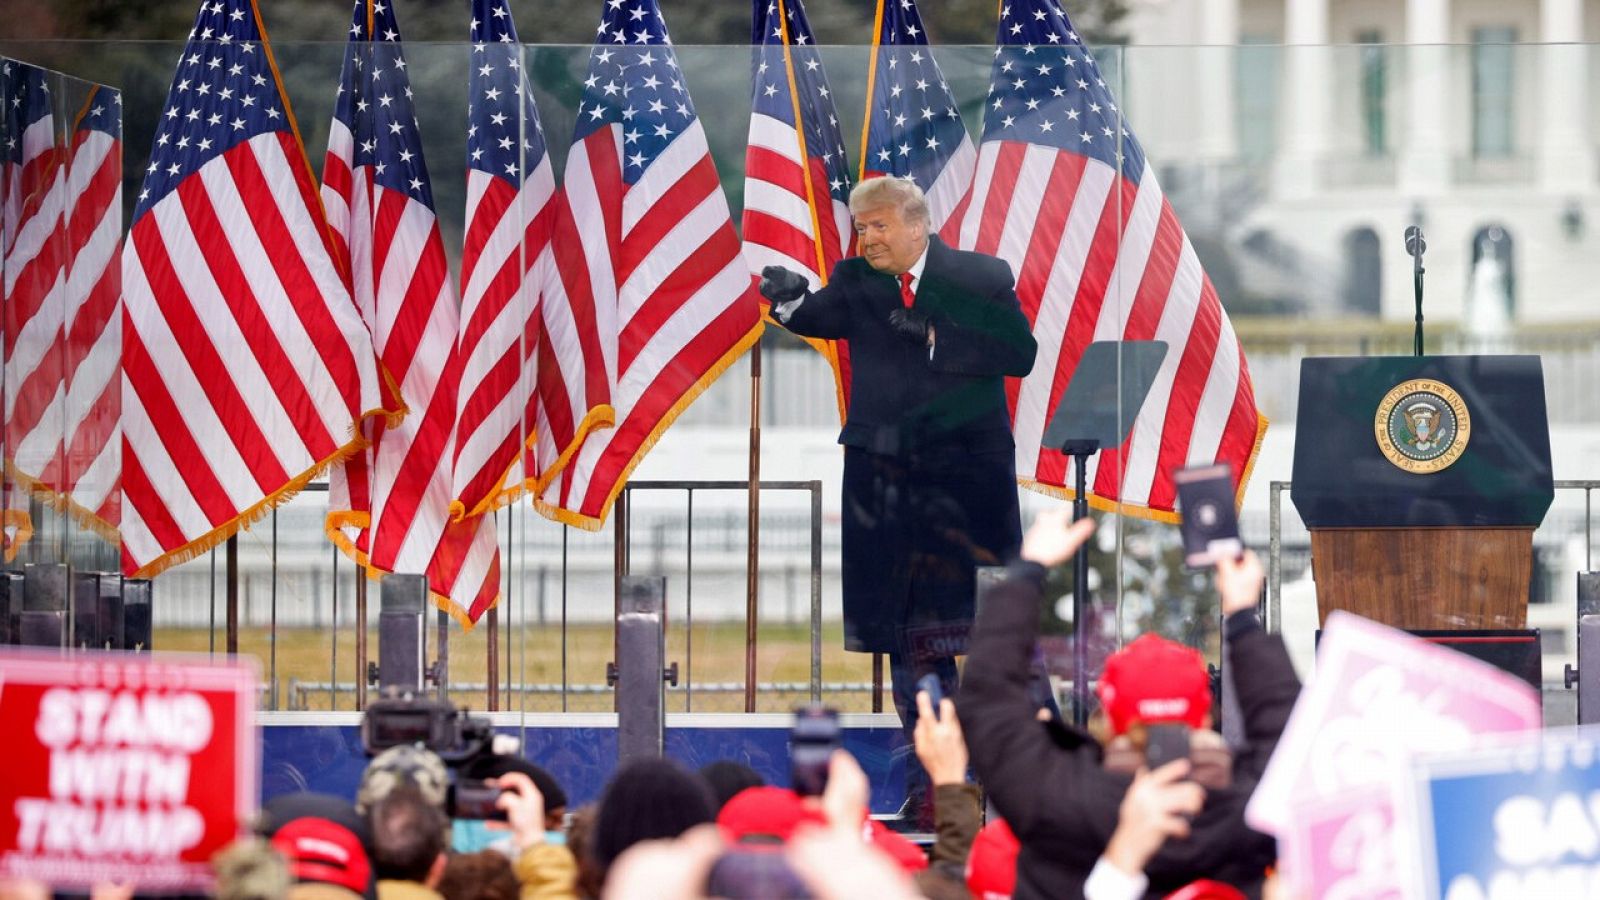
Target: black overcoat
column 929, row 474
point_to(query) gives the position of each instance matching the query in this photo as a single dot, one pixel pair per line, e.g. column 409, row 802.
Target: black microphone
column 1415, row 245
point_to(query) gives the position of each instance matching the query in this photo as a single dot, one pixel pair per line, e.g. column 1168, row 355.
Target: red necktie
column 906, row 296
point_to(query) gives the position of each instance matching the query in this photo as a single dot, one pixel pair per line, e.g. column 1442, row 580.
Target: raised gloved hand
column 780, row 285
column 910, row 325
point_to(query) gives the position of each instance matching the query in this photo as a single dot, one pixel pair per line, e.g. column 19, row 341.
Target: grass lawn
column 532, row 656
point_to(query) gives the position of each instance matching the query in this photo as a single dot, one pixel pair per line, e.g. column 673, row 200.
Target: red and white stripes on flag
column 797, row 179
column 35, row 256
column 652, row 239
column 389, row 508
column 88, row 467
column 533, row 377
column 1064, row 194
column 246, row 368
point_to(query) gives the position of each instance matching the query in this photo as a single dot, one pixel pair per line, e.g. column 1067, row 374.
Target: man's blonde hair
column 887, row 190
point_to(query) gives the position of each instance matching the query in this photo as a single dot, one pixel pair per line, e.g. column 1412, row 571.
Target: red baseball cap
column 992, row 864
column 907, row 855
column 321, row 850
column 765, row 812
column 1155, row 681
column 1206, row 889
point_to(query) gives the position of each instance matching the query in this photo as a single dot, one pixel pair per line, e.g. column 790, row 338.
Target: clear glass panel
column 1293, row 170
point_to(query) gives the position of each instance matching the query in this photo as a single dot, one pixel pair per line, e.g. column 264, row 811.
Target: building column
column 1306, row 98
column 1425, row 163
column 1566, row 158
column 1216, row 80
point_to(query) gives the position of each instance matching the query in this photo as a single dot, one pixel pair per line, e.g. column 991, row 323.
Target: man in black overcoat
column 929, row 466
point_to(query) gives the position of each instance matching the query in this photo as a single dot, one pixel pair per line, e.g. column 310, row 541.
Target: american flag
column 796, row 193
column 35, row 279
column 675, row 298
column 389, row 509
column 913, row 129
column 90, row 459
column 246, row 368
column 1063, row 192
column 532, row 365
column 34, row 192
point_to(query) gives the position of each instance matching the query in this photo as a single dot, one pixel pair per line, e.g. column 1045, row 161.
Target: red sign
column 122, row 769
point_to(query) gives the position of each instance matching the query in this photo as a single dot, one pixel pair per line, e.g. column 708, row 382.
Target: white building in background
column 1312, row 132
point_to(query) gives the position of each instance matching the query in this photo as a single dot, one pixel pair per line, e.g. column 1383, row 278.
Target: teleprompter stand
column 1097, row 411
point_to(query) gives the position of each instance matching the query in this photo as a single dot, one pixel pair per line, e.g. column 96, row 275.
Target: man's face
column 890, row 243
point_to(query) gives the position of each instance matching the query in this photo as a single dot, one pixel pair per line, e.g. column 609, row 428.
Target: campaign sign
column 1379, row 698
column 120, row 769
column 1512, row 822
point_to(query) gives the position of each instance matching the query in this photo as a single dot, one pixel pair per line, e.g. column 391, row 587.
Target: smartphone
column 811, row 746
column 472, row 798
column 1210, row 524
column 1165, row 743
column 930, row 683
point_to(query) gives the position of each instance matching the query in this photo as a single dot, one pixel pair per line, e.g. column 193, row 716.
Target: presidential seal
column 1422, row 425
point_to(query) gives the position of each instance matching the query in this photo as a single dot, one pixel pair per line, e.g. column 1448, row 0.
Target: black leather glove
column 781, row 285
column 910, row 325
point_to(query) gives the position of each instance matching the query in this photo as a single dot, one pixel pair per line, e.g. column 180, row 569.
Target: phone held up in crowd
column 811, row 746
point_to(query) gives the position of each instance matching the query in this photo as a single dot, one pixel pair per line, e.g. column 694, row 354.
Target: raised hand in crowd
column 939, row 744
column 1054, row 537
column 957, row 805
column 1239, row 582
column 837, row 862
column 845, row 799
column 1156, row 808
column 524, row 807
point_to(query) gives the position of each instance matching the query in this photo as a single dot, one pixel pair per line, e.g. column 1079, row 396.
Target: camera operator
column 461, row 771
column 1051, row 784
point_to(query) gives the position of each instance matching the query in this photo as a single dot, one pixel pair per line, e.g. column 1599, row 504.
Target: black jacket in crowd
column 1049, row 783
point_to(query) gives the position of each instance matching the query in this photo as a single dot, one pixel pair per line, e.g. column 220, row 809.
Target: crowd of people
column 1070, row 812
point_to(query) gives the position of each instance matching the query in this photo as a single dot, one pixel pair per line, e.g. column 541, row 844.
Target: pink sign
column 120, row 769
column 1379, row 697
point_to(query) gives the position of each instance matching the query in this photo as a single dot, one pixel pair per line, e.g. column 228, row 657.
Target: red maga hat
column 772, row 813
column 992, row 863
column 1155, row 681
column 324, row 851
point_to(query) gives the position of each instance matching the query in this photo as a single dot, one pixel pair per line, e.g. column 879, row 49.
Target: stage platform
column 321, row 751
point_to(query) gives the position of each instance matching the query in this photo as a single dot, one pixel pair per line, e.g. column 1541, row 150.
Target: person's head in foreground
column 647, row 799
column 410, row 836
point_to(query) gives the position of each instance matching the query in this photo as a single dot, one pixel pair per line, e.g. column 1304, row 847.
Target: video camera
column 398, row 718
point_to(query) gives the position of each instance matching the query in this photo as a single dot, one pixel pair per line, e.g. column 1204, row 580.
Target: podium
column 1422, row 480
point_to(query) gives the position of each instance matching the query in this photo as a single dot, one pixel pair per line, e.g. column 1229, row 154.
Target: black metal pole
column 361, row 639
column 1080, row 599
column 752, row 563
column 231, row 562
column 443, row 679
column 1416, row 281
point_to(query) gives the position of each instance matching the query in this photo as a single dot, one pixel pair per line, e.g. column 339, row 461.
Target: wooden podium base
column 1415, row 578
